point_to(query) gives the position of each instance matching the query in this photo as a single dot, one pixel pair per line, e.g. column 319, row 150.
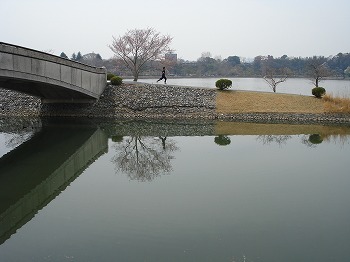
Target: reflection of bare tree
column 163, row 141
column 269, row 139
column 144, row 158
column 341, row 139
column 311, row 140
column 306, row 141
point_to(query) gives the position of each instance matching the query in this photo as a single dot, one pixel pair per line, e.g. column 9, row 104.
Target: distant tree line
column 89, row 59
column 233, row 66
column 316, row 67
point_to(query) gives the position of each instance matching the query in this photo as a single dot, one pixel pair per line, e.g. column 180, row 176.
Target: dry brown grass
column 336, row 104
column 259, row 102
column 229, row 101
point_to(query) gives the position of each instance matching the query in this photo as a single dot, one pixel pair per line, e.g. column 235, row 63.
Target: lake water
column 291, row 86
column 174, row 191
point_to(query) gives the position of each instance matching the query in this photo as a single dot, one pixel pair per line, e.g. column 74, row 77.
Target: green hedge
column 223, row 84
column 318, row 92
column 109, row 76
column 116, row 80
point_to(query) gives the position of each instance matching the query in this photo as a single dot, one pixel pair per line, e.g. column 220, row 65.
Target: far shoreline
column 218, row 77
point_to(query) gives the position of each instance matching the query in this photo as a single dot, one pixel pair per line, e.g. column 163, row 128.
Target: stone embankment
column 155, row 101
column 17, row 104
column 152, row 101
column 125, row 101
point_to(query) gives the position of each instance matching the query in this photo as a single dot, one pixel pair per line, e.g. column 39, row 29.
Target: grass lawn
column 229, row 101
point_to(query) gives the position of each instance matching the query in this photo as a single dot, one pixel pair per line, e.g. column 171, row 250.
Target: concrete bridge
column 54, row 79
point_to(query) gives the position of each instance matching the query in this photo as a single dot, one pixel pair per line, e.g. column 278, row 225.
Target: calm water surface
column 160, row 191
column 291, row 86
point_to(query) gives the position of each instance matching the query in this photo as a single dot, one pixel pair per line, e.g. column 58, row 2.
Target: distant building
column 171, row 57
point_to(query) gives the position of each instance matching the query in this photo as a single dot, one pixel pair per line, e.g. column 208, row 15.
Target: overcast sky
column 246, row 28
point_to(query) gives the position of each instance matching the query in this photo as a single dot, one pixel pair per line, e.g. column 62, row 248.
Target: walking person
column 163, row 76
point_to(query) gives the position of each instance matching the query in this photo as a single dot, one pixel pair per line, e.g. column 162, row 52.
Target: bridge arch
column 52, row 78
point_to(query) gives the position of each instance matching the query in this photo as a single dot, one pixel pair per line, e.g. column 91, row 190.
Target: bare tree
column 138, row 46
column 92, row 59
column 317, row 69
column 274, row 75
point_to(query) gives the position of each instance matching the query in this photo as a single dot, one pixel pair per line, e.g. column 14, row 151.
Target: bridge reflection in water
column 37, row 171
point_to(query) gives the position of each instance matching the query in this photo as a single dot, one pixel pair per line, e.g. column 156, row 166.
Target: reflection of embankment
column 37, row 171
column 156, row 128
column 170, row 128
column 235, row 128
column 18, row 130
column 19, row 124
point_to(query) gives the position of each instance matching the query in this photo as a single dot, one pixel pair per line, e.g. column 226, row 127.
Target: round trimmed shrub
column 109, row 76
column 223, row 84
column 315, row 139
column 116, row 80
column 222, row 140
column 318, row 92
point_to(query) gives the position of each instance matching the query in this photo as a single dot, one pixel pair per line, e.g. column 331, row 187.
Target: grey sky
column 246, row 28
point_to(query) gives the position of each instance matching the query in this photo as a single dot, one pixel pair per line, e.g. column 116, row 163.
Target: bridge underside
column 48, row 92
